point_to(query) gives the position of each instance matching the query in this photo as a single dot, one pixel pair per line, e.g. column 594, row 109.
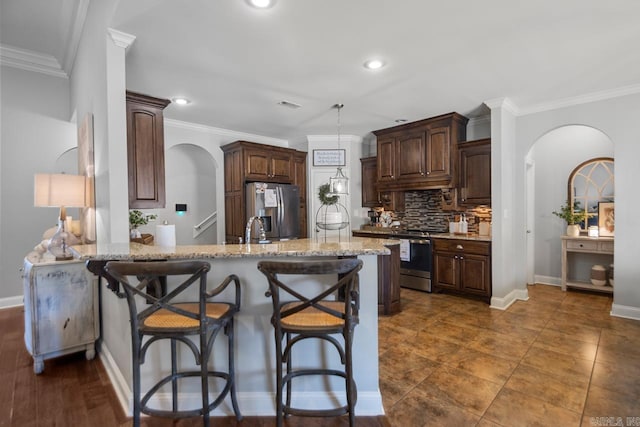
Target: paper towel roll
column 165, row 235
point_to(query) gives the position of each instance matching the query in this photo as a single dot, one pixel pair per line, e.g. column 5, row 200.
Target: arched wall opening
column 190, row 179
column 549, row 163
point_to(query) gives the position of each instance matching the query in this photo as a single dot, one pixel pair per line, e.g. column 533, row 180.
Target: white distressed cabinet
column 61, row 313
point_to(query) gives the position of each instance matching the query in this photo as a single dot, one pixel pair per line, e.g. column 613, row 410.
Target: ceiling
column 235, row 63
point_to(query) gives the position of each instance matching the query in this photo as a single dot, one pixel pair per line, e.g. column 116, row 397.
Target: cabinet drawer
column 605, row 247
column 582, row 245
column 467, row 246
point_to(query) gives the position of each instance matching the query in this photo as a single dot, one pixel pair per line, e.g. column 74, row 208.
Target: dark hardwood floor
column 75, row 392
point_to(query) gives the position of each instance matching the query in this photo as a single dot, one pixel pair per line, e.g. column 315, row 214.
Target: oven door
column 416, row 272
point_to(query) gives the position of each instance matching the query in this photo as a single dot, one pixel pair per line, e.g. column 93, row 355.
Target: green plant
column 572, row 215
column 325, row 197
column 137, row 218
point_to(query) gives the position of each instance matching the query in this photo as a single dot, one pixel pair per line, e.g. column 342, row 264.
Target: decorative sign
column 329, row 157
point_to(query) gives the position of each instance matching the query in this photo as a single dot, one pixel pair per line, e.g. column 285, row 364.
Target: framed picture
column 329, row 157
column 606, row 218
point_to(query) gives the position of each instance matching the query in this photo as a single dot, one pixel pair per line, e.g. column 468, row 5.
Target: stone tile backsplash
column 423, row 210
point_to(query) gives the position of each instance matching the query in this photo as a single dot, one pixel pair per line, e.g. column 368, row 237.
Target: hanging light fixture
column 339, row 184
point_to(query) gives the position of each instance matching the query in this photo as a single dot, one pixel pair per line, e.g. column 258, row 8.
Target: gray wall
column 35, row 131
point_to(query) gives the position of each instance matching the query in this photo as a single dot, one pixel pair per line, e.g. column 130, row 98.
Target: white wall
column 555, row 155
column 318, row 175
column 35, row 131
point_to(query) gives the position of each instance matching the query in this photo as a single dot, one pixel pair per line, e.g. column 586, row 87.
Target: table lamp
column 60, row 191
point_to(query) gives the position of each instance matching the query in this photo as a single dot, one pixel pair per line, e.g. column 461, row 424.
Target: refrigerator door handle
column 280, row 207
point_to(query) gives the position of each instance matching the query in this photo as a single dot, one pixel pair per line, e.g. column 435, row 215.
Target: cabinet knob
column 459, row 247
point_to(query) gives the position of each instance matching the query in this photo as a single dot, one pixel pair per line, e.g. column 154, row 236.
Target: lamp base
column 59, row 243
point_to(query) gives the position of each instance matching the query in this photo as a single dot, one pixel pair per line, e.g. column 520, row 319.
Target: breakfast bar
column 255, row 359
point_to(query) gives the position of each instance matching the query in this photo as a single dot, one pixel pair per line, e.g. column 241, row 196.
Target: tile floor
column 558, row 359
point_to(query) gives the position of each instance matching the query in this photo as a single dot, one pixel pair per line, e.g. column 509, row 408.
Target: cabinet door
column 475, row 173
column 392, row 200
column 411, row 156
column 445, row 270
column 369, row 177
column 63, row 297
column 256, row 164
column 386, row 160
column 438, row 152
column 300, row 179
column 280, row 167
column 234, row 216
column 474, row 274
column 145, row 151
column 233, row 180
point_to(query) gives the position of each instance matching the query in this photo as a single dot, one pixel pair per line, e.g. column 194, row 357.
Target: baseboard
column 510, row 298
column 548, row 280
column 11, row 301
column 625, row 311
column 120, row 386
column 250, row 403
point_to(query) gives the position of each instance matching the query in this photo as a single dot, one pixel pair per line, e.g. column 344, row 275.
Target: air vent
column 289, row 104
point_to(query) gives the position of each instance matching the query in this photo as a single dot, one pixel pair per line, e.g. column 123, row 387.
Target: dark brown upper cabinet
column 145, row 150
column 474, row 181
column 421, row 154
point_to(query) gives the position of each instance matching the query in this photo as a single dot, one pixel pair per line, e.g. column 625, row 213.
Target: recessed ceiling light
column 261, row 4
column 400, row 120
column 374, row 64
column 181, row 101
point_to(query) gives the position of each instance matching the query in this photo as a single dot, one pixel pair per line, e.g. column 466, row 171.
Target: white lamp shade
column 57, row 190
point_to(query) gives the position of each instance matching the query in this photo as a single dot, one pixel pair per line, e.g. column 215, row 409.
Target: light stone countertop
column 353, row 246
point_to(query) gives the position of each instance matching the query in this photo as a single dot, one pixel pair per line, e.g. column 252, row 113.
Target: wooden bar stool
column 156, row 316
column 325, row 315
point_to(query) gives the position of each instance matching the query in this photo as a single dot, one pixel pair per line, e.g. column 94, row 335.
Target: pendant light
column 339, row 184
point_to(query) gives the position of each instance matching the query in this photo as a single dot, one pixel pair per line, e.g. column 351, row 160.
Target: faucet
column 263, row 236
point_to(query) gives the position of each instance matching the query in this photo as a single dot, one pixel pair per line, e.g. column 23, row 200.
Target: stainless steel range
column 415, row 259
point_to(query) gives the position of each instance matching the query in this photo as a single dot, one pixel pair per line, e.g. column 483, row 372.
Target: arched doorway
column 191, row 180
column 549, row 163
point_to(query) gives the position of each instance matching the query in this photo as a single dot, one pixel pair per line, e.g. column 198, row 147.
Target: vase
column 598, row 275
column 135, row 233
column 573, row 230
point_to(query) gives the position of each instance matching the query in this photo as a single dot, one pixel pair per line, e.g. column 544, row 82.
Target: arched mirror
column 591, row 183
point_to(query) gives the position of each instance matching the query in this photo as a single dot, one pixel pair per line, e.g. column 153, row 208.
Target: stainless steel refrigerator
column 278, row 205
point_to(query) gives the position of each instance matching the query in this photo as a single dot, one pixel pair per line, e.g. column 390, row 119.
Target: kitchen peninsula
column 255, row 360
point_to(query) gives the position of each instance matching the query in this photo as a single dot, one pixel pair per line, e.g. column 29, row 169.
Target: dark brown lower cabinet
column 389, row 281
column 462, row 267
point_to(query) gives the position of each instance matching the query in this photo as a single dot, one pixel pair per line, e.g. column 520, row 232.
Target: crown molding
column 475, row 121
column 333, row 139
column 225, row 132
column 121, row 39
column 31, row 61
column 74, row 35
column 504, row 103
column 581, row 99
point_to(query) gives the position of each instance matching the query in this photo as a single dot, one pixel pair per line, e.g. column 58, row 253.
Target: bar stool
column 323, row 316
column 158, row 317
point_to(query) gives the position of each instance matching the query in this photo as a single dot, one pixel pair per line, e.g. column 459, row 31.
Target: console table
column 582, row 250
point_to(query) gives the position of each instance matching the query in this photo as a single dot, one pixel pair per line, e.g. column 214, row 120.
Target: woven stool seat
column 164, row 318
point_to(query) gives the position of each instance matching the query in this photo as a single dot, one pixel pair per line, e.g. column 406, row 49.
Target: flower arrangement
column 137, row 218
column 325, row 197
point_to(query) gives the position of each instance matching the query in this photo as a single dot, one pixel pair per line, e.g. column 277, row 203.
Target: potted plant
column 136, row 219
column 572, row 216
